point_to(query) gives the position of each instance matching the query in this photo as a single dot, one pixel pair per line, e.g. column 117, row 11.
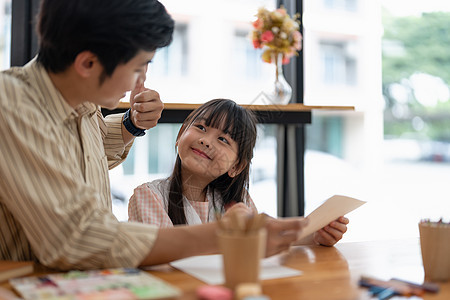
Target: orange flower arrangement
column 278, row 33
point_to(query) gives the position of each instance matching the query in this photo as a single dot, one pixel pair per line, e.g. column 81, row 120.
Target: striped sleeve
column 111, row 128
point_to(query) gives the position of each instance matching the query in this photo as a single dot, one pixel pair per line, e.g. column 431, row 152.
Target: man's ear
column 236, row 169
column 86, row 63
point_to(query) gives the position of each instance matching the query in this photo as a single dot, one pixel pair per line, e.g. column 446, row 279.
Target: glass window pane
column 338, row 62
column 172, row 61
column 348, row 5
column 211, row 54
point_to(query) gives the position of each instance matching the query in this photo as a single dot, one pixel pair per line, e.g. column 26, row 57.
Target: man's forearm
column 182, row 241
column 126, row 135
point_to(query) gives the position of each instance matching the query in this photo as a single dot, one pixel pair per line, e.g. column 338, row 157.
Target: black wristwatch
column 130, row 126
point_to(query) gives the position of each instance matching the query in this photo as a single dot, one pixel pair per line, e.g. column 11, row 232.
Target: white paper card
column 208, row 268
column 330, row 210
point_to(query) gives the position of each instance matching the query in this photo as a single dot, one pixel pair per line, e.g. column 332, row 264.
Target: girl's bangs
column 223, row 117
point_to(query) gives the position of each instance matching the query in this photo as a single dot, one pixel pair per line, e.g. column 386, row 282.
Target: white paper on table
column 330, row 210
column 208, row 268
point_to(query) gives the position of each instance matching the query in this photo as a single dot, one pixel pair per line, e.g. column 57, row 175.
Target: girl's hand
column 332, row 233
column 238, row 208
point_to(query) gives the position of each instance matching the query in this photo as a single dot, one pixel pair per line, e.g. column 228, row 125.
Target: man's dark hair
column 114, row 30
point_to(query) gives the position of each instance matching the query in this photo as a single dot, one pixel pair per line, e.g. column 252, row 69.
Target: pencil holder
column 242, row 254
column 435, row 246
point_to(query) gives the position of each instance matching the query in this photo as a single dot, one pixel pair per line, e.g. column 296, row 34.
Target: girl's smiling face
column 206, row 151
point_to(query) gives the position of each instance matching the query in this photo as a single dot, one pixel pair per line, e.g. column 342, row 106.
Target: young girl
column 215, row 146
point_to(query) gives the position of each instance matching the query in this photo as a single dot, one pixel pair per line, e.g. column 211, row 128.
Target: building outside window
column 172, row 61
column 246, row 60
column 349, row 5
column 338, row 63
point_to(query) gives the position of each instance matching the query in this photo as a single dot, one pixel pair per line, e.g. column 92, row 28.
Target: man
column 55, row 203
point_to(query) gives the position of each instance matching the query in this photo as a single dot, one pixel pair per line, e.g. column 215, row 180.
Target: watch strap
column 130, row 126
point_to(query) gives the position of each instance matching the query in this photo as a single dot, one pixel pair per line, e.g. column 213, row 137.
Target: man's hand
column 281, row 233
column 146, row 106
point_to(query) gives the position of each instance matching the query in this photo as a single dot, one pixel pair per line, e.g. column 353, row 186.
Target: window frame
column 24, row 40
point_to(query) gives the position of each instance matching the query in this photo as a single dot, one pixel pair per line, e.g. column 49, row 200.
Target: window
column 172, row 61
column 160, row 143
column 5, row 33
column 326, row 135
column 211, row 54
column 247, row 60
column 338, row 63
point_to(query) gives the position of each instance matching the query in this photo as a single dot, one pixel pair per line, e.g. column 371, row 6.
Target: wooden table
column 329, row 272
column 294, row 113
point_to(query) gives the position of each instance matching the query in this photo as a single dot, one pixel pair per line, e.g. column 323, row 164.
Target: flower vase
column 280, row 91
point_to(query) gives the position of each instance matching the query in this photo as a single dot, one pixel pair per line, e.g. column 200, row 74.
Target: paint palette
column 118, row 283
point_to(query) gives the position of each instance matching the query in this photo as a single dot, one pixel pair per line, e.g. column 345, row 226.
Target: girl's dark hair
column 240, row 124
column 114, row 30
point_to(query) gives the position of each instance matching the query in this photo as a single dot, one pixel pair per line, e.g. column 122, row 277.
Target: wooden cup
column 242, row 254
column 435, row 246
